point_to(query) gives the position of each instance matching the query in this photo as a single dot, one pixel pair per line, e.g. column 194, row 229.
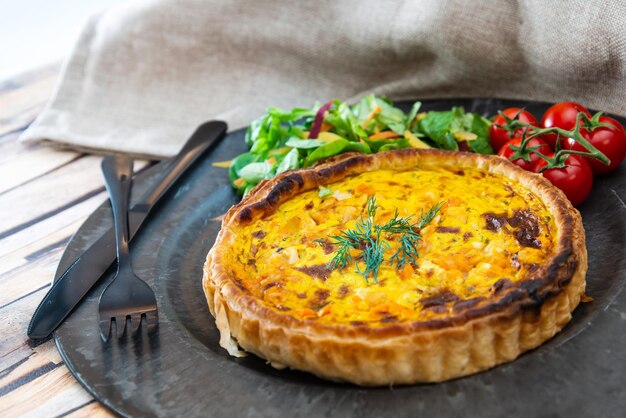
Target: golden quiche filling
column 480, row 241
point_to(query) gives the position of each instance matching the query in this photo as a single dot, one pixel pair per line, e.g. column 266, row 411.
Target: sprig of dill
column 411, row 237
column 373, row 257
column 366, row 236
column 361, row 236
column 430, row 215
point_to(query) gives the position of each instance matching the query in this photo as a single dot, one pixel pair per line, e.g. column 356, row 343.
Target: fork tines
column 133, row 322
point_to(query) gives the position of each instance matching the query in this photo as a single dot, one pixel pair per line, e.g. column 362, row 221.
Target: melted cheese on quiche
column 489, row 233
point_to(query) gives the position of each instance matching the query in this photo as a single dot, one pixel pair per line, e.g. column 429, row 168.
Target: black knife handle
column 194, row 147
column 70, row 286
column 118, row 172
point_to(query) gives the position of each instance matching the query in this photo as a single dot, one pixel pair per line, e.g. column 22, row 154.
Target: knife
column 70, row 287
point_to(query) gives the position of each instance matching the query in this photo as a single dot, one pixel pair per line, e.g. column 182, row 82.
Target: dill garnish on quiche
column 370, row 241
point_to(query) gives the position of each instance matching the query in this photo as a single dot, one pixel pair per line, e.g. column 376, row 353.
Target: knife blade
column 71, row 286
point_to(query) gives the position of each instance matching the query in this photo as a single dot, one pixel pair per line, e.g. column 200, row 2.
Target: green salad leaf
column 289, row 162
column 379, row 145
column 480, row 126
column 279, row 139
column 255, row 172
column 443, row 128
column 413, row 114
column 234, row 171
column 386, row 117
column 345, row 122
column 335, row 147
column 303, row 143
column 438, row 127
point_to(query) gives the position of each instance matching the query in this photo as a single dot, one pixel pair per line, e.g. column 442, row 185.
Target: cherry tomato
column 608, row 119
column 498, row 136
column 561, row 115
column 611, row 141
column 507, row 152
column 575, row 180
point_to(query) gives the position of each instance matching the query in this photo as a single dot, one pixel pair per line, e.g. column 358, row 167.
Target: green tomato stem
column 558, row 161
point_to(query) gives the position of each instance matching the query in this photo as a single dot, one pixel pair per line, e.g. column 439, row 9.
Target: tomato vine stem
column 558, row 160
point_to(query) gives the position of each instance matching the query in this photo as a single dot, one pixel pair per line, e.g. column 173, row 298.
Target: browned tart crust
column 512, row 318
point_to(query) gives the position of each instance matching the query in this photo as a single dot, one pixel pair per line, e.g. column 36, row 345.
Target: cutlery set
column 127, row 299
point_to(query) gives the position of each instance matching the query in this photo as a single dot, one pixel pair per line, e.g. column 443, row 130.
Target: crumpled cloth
column 143, row 75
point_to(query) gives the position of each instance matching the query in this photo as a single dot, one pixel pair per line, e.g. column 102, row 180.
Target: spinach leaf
column 399, row 143
column 275, row 127
column 364, row 108
column 256, row 130
column 296, row 131
column 461, row 121
column 289, row 162
column 293, row 115
column 357, row 146
column 480, row 126
column 413, row 114
column 255, row 172
column 377, row 145
column 333, row 148
column 303, row 143
column 242, row 160
column 264, row 136
column 389, row 117
column 440, row 127
column 436, row 126
column 344, row 122
column 281, row 135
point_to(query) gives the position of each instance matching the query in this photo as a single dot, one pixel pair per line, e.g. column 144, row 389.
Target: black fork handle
column 118, row 171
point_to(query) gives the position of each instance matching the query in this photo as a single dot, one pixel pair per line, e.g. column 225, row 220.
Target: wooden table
column 45, row 195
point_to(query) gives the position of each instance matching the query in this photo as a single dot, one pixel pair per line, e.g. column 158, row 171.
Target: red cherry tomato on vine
column 498, row 136
column 575, row 180
column 608, row 119
column 507, row 152
column 611, row 141
column 561, row 115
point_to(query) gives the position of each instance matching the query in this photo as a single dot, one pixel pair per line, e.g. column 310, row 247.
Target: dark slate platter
column 182, row 371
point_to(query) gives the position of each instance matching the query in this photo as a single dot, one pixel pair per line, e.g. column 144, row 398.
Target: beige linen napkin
column 142, row 76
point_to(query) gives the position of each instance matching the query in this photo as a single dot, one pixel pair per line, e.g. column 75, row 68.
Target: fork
column 127, row 297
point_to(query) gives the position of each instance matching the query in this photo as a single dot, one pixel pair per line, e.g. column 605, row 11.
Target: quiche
column 496, row 270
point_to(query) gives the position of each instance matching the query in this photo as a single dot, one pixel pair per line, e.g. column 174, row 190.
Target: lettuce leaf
column 333, row 148
column 279, row 139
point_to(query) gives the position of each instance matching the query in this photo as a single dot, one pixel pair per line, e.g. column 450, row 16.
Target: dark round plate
column 182, row 371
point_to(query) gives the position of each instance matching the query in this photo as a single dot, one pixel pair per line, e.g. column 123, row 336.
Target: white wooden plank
column 23, row 257
column 24, row 282
column 11, row 148
column 45, row 193
column 52, row 191
column 24, row 168
column 51, row 394
column 55, row 391
column 33, row 363
column 51, row 225
column 13, row 338
column 19, row 106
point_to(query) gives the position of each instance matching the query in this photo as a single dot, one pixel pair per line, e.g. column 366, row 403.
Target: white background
column 34, row 33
